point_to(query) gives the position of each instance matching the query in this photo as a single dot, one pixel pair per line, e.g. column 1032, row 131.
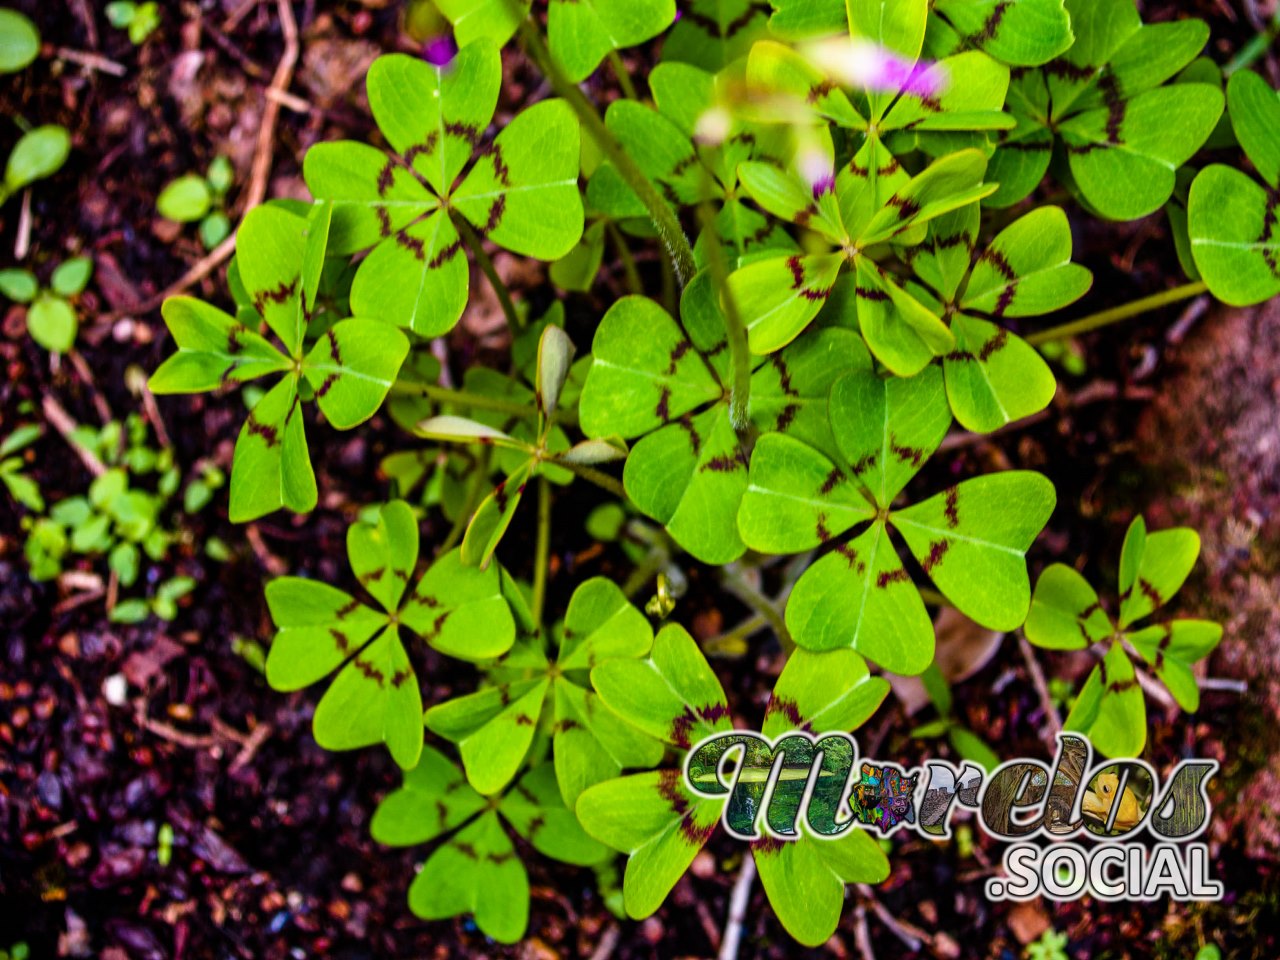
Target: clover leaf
column 1123, row 132
column 477, row 869
column 805, row 878
column 971, row 540
column 375, row 697
column 654, row 817
column 347, row 371
column 1066, row 614
column 688, row 470
column 520, row 190
column 869, row 203
column 993, row 376
column 495, row 727
column 1232, row 219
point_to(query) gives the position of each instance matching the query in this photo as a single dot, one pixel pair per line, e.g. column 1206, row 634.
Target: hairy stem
column 739, row 352
column 1126, row 311
column 485, row 262
column 542, row 552
column 664, row 218
column 741, row 588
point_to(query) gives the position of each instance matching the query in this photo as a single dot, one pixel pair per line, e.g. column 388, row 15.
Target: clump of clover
column 856, row 286
column 52, row 320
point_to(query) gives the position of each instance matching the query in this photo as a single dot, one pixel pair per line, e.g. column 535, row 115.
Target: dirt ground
column 1175, row 416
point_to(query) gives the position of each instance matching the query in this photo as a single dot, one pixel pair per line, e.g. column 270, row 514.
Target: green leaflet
column 688, row 470
column 520, row 191
column 1124, row 134
column 375, row 697
column 673, row 695
column 1067, row 615
column 495, row 727
column 582, row 32
column 476, row 869
column 1026, row 34
column 993, row 377
column 658, row 822
column 1231, row 219
column 971, row 540
column 712, row 34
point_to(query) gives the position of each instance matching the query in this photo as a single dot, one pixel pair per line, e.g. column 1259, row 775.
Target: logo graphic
column 815, row 783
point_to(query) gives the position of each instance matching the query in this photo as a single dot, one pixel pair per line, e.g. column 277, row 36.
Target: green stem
column 1116, row 314
column 598, row 477
column 624, row 76
column 739, row 351
column 476, row 245
column 464, row 398
column 664, row 218
column 634, row 283
column 762, row 605
column 1255, row 48
column 542, row 552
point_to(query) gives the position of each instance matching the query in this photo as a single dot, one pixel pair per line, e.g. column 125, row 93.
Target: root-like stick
column 738, row 901
column 1054, row 725
column 65, row 425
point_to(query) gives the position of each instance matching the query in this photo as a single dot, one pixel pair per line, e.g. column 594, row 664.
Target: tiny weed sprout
column 743, row 317
column 193, row 198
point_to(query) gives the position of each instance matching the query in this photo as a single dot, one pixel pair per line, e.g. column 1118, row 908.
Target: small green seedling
column 140, row 19
column 40, row 153
column 1052, row 945
column 192, row 198
column 51, row 312
column 1066, row 614
column 19, row 41
column 23, row 488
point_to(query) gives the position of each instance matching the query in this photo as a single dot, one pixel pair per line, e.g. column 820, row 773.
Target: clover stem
column 634, row 283
column 664, row 218
column 739, row 351
column 933, row 598
column 598, row 477
column 623, row 74
column 491, row 273
column 542, row 552
column 739, row 586
column 1126, row 311
column 464, row 398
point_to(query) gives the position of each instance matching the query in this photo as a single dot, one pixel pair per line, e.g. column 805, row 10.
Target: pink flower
column 857, row 63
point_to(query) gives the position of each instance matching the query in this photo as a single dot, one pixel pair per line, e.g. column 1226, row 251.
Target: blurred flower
column 857, row 63
column 440, row 51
